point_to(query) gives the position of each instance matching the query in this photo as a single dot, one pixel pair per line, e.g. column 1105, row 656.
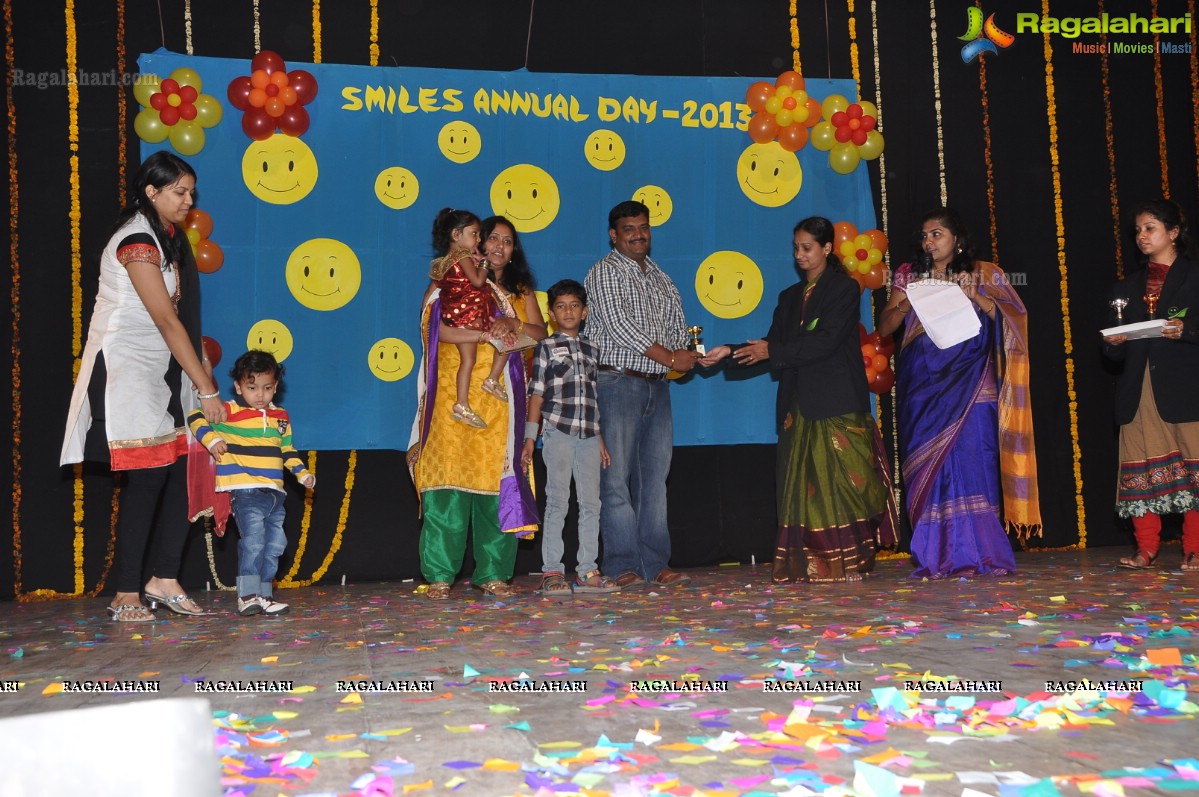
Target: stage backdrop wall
column 1045, row 150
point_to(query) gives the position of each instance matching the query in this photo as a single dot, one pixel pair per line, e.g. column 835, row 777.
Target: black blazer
column 817, row 355
column 1173, row 364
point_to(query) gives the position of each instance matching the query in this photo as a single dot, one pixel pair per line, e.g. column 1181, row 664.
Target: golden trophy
column 695, row 345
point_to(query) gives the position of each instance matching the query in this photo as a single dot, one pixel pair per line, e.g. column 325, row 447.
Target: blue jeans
column 564, row 455
column 259, row 516
column 639, row 433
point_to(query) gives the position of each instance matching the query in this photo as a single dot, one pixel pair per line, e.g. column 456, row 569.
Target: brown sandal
column 554, row 582
column 1139, row 561
column 1190, row 561
column 438, row 591
column 498, row 589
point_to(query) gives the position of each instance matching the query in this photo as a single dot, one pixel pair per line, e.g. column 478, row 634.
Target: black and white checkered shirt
column 631, row 310
column 564, row 375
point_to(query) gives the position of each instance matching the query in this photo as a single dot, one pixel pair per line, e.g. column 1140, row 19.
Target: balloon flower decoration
column 861, row 254
column 847, row 133
column 209, row 257
column 876, row 357
column 175, row 108
column 271, row 98
column 783, row 111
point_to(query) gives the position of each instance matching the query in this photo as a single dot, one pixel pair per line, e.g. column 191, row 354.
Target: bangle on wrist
column 531, row 430
column 206, row 396
column 672, row 356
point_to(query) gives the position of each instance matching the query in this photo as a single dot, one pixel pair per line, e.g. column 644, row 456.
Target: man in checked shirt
column 637, row 323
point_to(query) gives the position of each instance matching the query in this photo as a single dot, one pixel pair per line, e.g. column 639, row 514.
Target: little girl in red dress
column 467, row 302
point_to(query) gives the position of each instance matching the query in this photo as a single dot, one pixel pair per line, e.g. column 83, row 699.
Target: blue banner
column 327, row 236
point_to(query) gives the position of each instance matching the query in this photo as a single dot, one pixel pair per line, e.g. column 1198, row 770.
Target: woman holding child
column 142, row 370
column 833, row 492
column 468, row 477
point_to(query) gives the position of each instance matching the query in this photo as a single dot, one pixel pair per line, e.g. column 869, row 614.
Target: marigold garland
column 1064, row 285
column 932, row 14
column 1160, row 90
column 122, row 110
column 853, row 47
column 14, row 295
column 342, row 517
column 795, row 40
column 374, row 32
column 986, row 104
column 316, row 31
column 1113, row 189
column 305, row 524
column 76, row 215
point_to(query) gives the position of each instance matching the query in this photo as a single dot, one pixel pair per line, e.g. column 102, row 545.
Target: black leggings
column 151, row 493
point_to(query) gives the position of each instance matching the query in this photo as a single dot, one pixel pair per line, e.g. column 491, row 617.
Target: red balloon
column 883, row 382
column 169, row 86
column 763, row 128
column 268, row 61
column 209, row 257
column 842, row 135
column 188, row 93
column 187, row 112
column 863, row 335
column 858, row 137
column 304, row 84
column 199, row 221
column 854, row 111
column 793, row 137
column 839, row 119
column 886, row 345
column 169, row 115
column 271, row 89
column 212, row 349
column 756, row 95
column 158, row 100
column 868, row 122
column 294, row 121
column 239, row 92
column 867, row 361
column 257, row 125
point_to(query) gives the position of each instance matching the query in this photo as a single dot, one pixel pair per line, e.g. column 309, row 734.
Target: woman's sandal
column 1139, row 561
column 1190, row 561
column 438, row 591
column 495, row 388
column 552, row 583
column 498, row 589
column 466, row 415
column 130, row 613
column 180, row 604
column 594, row 582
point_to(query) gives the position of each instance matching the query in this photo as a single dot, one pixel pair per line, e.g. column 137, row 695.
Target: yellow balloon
column 149, row 126
column 208, row 111
column 144, row 86
column 188, row 77
column 833, row 103
column 868, row 108
column 844, row 158
column 823, row 136
column 187, row 137
column 873, row 146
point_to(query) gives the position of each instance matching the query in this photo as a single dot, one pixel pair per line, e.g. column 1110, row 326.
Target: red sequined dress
column 462, row 304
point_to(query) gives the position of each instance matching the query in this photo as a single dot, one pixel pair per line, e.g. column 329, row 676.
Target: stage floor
column 1068, row 616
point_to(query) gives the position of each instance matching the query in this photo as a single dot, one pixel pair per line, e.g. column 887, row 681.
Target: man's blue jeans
column 639, row 433
column 259, row 514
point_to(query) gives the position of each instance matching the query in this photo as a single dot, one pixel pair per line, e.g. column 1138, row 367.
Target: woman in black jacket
column 1157, row 395
column 835, row 505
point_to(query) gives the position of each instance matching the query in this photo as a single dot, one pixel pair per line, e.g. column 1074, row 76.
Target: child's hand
column 526, row 454
column 308, row 481
column 218, row 449
column 605, row 457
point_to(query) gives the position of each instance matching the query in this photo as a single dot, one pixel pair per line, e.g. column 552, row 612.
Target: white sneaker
column 271, row 607
column 249, row 606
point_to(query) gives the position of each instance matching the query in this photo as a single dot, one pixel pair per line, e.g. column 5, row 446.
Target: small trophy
column 1151, row 304
column 1118, row 305
column 695, row 345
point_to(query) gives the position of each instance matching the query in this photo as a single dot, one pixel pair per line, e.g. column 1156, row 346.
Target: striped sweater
column 259, row 444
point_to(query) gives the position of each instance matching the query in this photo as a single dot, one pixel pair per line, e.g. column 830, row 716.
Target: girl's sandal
column 438, row 591
column 498, row 589
column 495, row 388
column 466, row 415
column 552, row 583
column 1190, row 561
column 1139, row 561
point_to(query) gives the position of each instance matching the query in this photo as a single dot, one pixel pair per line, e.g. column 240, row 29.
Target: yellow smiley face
column 658, row 201
column 728, row 284
column 280, row 170
column 390, row 359
column 604, row 149
column 768, row 174
column 459, row 141
column 396, row 187
column 527, row 196
column 272, row 337
column 323, row 274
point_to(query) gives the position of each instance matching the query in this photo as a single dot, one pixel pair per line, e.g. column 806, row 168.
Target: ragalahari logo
column 982, row 37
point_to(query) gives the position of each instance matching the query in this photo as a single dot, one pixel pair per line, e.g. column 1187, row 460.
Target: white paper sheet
column 947, row 315
column 1137, row 331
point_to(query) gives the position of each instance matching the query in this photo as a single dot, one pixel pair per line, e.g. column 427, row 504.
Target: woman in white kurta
column 142, row 370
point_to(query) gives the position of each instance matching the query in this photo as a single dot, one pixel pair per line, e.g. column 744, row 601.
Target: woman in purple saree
column 963, row 413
